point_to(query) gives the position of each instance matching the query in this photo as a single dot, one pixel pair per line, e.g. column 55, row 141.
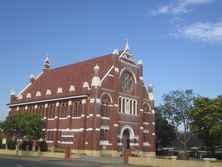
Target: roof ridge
column 80, row 62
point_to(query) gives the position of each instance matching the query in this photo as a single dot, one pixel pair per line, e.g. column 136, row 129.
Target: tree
column 175, row 109
column 165, row 132
column 23, row 126
column 33, row 125
column 206, row 121
column 12, row 127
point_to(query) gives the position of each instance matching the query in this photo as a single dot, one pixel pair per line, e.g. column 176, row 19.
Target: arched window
column 146, row 109
column 63, row 109
column 134, row 107
column 123, row 105
column 105, row 105
column 80, row 109
column 120, row 104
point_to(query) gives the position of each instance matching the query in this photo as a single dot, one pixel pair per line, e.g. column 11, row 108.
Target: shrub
column 43, row 146
column 25, row 145
column 11, row 144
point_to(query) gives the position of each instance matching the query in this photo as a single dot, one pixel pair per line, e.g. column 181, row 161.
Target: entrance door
column 126, row 139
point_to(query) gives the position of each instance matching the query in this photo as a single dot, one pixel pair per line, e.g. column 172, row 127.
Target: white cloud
column 179, row 7
column 207, row 32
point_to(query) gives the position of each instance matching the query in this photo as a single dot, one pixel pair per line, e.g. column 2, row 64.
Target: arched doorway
column 126, row 139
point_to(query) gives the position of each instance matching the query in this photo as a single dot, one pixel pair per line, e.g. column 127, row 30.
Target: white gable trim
column 49, row 100
column 29, row 84
column 106, row 74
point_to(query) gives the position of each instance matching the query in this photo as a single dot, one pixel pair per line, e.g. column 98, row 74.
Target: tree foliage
column 176, row 105
column 23, row 126
column 206, row 121
column 165, row 132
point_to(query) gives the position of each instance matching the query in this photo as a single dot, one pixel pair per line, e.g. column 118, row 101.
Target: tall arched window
column 105, row 105
column 120, row 104
column 146, row 109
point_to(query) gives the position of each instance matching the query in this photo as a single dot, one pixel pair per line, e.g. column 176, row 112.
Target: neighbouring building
column 97, row 107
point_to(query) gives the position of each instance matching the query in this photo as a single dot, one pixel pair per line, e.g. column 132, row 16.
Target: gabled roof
column 63, row 77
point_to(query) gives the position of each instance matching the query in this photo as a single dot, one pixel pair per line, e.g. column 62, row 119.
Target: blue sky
column 179, row 41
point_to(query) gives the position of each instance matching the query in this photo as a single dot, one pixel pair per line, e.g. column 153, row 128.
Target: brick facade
column 98, row 105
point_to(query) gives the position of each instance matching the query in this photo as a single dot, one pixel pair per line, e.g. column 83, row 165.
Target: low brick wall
column 33, row 154
column 171, row 162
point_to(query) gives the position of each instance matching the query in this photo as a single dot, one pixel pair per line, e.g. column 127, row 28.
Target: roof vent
column 28, row 96
column 38, row 94
column 59, row 90
column 48, row 92
column 72, row 88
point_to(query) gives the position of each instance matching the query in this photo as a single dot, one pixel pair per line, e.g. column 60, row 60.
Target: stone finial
column 32, row 78
column 150, row 88
column 126, row 45
column 46, row 64
column 115, row 52
column 12, row 93
column 140, row 62
column 96, row 70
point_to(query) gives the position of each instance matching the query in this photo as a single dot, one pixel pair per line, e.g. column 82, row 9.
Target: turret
column 46, row 64
column 12, row 96
column 96, row 78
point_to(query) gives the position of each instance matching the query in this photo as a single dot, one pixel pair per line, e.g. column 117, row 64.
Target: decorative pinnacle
column 126, row 45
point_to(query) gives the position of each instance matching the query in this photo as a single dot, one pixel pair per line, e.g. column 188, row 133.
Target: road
column 35, row 162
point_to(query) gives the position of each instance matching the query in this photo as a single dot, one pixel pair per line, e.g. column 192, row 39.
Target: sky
column 179, row 41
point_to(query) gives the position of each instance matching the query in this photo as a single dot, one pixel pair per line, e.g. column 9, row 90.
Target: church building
column 98, row 107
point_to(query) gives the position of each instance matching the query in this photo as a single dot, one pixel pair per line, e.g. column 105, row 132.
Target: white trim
column 116, row 69
column 30, row 83
column 92, row 100
column 104, row 127
column 134, row 144
column 145, row 131
column 76, row 117
column 105, row 118
column 145, row 123
column 133, row 65
column 131, row 131
column 50, row 119
column 49, row 141
column 66, row 142
column 146, row 144
column 63, row 118
column 127, row 69
column 89, row 129
column 98, row 115
column 153, row 123
column 83, row 101
column 98, row 129
column 115, row 125
column 71, row 130
column 106, row 74
column 154, row 134
column 48, row 100
column 67, row 135
column 119, row 144
column 110, row 75
column 51, row 129
column 128, row 122
column 141, row 128
column 105, row 143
